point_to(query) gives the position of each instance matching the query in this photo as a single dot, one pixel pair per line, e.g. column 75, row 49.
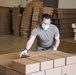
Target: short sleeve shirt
column 45, row 37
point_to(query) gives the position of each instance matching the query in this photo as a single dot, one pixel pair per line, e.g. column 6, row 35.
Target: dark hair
column 46, row 16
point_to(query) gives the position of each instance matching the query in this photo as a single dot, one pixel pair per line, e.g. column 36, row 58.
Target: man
column 47, row 35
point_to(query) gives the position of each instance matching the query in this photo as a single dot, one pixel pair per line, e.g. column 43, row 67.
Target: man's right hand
column 23, row 53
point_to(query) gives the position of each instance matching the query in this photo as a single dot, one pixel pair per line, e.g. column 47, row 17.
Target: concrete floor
column 10, row 43
column 68, row 45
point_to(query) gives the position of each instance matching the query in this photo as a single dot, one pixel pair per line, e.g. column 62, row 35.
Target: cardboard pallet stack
column 46, row 10
column 35, row 17
column 74, row 30
column 64, row 18
column 36, row 12
column 26, row 20
column 38, row 63
column 30, row 17
column 4, row 21
column 16, row 17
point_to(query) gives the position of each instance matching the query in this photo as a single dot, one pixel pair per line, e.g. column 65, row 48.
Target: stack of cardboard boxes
column 30, row 17
column 47, row 10
column 16, row 20
column 26, row 20
column 36, row 12
column 35, row 17
column 74, row 30
column 4, row 21
column 64, row 18
column 38, row 63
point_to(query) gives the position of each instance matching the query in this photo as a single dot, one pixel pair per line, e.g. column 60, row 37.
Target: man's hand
column 54, row 49
column 23, row 53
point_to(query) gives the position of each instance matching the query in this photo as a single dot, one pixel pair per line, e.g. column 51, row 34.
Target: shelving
column 63, row 19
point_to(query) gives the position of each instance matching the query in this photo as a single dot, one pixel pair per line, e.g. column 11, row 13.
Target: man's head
column 46, row 19
column 46, row 16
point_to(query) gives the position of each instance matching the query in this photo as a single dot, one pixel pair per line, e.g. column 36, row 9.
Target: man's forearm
column 56, row 44
column 29, row 44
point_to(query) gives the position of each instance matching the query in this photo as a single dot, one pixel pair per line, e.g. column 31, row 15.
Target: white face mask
column 45, row 26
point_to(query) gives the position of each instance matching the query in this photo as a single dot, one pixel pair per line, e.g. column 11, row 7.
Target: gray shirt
column 45, row 37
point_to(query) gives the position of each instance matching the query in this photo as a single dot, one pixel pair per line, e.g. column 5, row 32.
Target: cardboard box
column 69, row 70
column 66, row 25
column 1, row 74
column 66, row 35
column 35, row 73
column 38, row 73
column 66, row 30
column 72, row 10
column 58, row 60
column 9, row 71
column 73, row 20
column 16, row 32
column 54, row 71
column 18, row 73
column 36, row 53
column 5, row 66
column 61, row 15
column 2, row 69
column 66, row 11
column 11, row 56
column 55, row 15
column 25, row 65
column 73, row 16
column 60, row 10
column 44, row 62
column 4, row 23
column 64, row 20
column 4, row 62
column 70, row 58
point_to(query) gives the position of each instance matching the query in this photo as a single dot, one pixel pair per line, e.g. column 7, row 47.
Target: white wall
column 13, row 3
column 67, row 4
column 24, row 2
column 7, row 3
column 17, row 2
